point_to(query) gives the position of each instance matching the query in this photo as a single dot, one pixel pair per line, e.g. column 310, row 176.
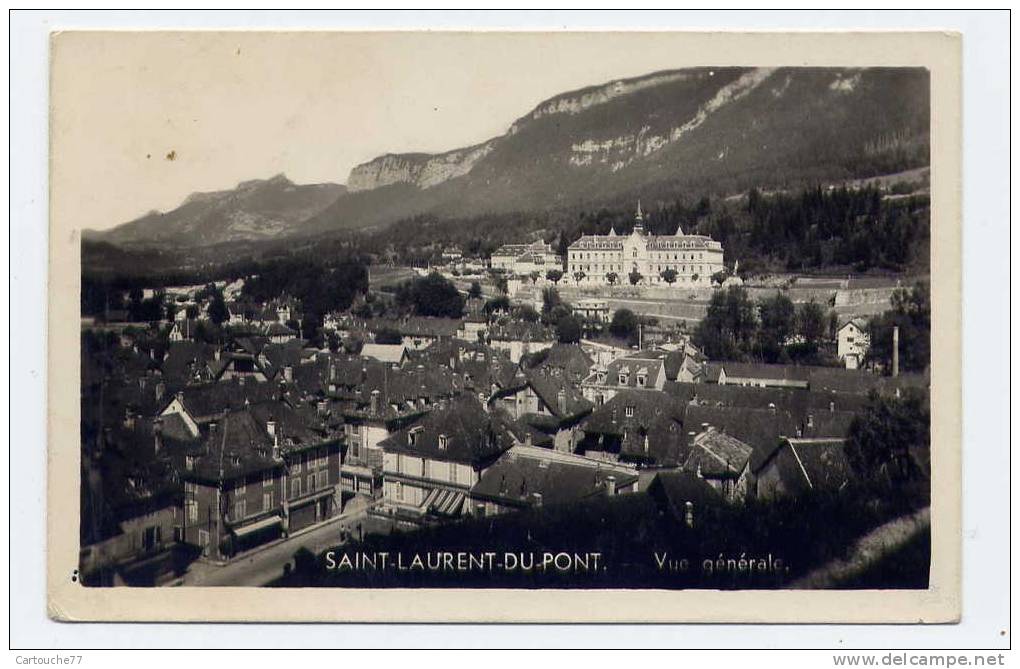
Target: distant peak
column 280, row 178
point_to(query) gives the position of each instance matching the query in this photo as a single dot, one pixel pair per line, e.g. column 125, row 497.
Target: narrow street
column 262, row 566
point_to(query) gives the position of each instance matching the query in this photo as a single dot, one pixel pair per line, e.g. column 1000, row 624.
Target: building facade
column 526, row 258
column 612, row 259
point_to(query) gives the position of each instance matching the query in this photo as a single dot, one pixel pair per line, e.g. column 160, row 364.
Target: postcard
column 493, row 326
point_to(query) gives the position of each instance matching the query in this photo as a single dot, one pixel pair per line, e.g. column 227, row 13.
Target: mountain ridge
column 699, row 131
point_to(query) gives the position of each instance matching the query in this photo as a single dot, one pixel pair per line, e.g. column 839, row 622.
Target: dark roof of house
column 210, row 399
column 749, row 370
column 717, row 455
column 416, row 326
column 522, row 331
column 277, row 329
column 185, row 359
column 569, row 358
column 472, row 436
column 649, row 364
column 239, row 444
column 809, row 463
column 860, row 381
column 559, row 478
column 760, row 429
column 672, row 490
column 796, row 401
column 550, row 385
column 656, row 425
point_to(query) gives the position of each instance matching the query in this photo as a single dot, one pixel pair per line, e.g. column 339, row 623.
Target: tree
column 476, row 290
column 612, row 278
column 579, row 276
column 431, row 295
column 550, row 299
column 669, row 275
column 911, row 312
column 778, row 323
column 568, row 330
column 526, row 313
column 719, row 277
column 729, row 326
column 499, row 303
column 635, row 277
column 554, row 275
column 218, row 312
column 812, row 322
column 624, row 324
column 535, row 276
column 890, row 437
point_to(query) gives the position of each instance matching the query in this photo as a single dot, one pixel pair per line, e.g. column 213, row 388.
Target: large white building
column 694, row 258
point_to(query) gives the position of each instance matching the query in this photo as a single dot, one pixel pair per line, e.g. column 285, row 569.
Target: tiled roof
column 673, row 489
column 566, row 357
column 804, row 464
column 390, row 353
column 472, row 436
column 715, row 454
column 559, row 478
column 654, row 433
column 747, row 370
column 550, row 387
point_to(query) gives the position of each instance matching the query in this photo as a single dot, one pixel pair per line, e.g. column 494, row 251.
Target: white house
column 852, row 342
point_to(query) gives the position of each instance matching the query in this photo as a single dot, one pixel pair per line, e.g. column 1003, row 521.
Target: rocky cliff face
column 421, row 170
column 712, row 131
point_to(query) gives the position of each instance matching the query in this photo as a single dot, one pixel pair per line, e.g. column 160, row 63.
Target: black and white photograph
column 503, row 312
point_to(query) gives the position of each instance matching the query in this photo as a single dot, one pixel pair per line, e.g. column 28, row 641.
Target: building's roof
column 472, row 436
column 568, row 358
column 649, row 364
column 209, row 399
column 750, row 370
column 551, row 385
column 522, row 472
column 522, row 331
column 277, row 329
column 654, row 433
column 717, row 455
column 389, row 353
column 795, row 401
column 760, row 429
column 860, row 381
column 857, row 321
column 416, row 326
column 803, row 464
column 673, row 489
column 186, row 360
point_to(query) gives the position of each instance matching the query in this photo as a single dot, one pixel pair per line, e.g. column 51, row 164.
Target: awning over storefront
column 258, row 525
column 444, row 502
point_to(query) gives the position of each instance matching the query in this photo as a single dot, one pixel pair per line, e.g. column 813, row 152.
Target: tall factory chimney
column 896, row 351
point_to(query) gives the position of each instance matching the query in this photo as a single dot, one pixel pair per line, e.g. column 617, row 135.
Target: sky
column 233, row 106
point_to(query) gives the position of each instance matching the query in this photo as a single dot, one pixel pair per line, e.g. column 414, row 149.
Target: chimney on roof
column 561, row 401
column 772, row 408
column 240, row 380
column 536, row 499
column 832, row 407
column 288, row 374
column 374, row 405
column 271, row 428
column 216, row 354
column 160, row 390
column 179, row 395
column 689, row 513
column 611, row 485
column 810, row 420
column 896, row 351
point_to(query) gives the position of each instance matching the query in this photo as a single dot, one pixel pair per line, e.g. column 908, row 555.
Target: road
column 264, row 565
